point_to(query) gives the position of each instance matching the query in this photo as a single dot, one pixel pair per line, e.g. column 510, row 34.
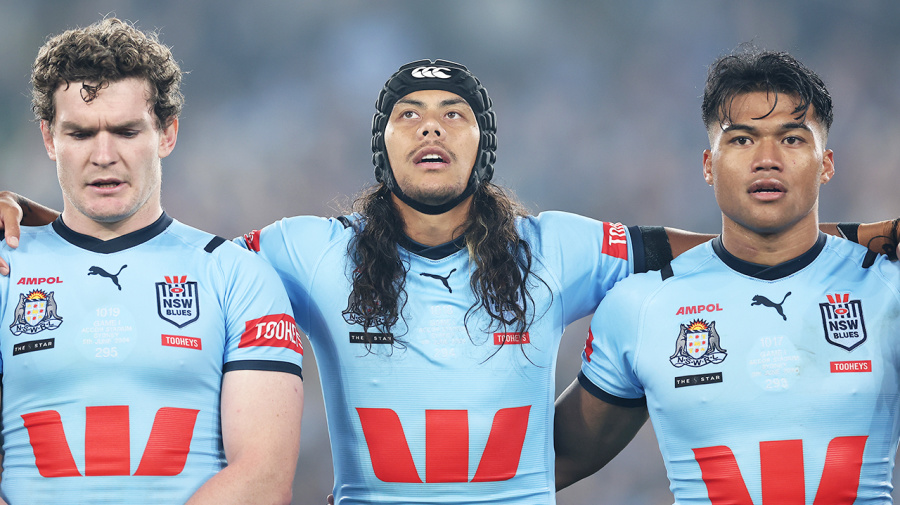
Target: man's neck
column 432, row 230
column 769, row 248
column 84, row 225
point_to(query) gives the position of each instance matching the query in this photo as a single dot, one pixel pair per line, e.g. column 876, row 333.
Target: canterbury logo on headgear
column 431, row 72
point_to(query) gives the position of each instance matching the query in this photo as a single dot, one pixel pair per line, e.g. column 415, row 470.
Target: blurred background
column 597, row 104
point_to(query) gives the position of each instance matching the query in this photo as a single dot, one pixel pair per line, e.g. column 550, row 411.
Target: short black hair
column 749, row 69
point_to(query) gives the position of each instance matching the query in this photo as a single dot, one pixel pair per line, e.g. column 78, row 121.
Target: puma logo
column 442, row 279
column 762, row 300
column 103, row 273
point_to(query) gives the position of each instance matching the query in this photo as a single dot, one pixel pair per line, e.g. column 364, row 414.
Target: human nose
column 104, row 152
column 768, row 156
column 431, row 126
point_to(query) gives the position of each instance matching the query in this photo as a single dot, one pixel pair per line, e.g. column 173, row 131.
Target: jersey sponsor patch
column 698, row 380
column 33, row 345
column 252, row 240
column 698, row 343
column 274, row 330
column 511, row 338
column 615, row 241
column 359, row 337
column 180, row 341
column 35, row 312
column 851, row 366
column 842, row 319
column 178, row 300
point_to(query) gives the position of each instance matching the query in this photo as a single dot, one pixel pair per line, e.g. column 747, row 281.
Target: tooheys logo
column 275, row 330
column 431, row 73
column 781, row 471
column 446, row 446
column 615, row 243
column 107, row 442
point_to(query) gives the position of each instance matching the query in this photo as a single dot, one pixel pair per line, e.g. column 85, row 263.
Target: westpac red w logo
column 446, row 446
column 107, row 442
column 781, row 468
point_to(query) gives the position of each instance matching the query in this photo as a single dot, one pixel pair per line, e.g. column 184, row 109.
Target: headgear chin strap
column 447, row 76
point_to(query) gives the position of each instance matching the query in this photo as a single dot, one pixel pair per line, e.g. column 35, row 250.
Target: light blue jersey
column 431, row 413
column 765, row 385
column 113, row 354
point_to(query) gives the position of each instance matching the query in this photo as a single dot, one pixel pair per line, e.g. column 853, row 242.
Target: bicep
column 589, row 432
column 261, row 412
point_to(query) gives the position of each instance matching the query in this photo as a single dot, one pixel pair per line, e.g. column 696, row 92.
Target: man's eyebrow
column 753, row 129
column 71, row 125
column 417, row 103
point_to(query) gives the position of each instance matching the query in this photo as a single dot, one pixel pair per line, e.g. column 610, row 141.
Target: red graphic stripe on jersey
column 500, row 460
column 446, row 446
column 252, row 240
column 781, row 468
column 170, row 442
column 615, row 243
column 840, row 478
column 276, row 330
column 722, row 476
column 589, row 346
column 52, row 455
column 391, row 459
column 107, row 442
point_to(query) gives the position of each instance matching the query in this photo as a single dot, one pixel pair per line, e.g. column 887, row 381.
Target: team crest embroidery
column 842, row 319
column 698, row 344
column 35, row 312
column 177, row 300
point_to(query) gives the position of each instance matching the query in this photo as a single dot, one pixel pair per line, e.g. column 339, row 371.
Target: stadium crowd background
column 597, row 103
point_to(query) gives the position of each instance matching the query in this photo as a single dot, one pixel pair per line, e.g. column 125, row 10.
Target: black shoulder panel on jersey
column 657, row 250
column 869, row 260
column 344, row 221
column 608, row 398
column 849, row 231
column 666, row 271
column 215, row 242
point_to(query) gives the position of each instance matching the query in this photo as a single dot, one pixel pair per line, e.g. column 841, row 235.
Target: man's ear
column 167, row 139
column 47, row 135
column 827, row 166
column 707, row 166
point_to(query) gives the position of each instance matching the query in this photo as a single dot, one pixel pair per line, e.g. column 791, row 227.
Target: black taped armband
column 657, row 250
column 849, row 231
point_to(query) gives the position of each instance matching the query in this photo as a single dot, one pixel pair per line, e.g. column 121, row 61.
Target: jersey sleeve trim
column 264, row 365
column 608, row 398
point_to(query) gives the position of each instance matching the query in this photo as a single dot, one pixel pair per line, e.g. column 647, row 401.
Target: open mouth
column 432, row 158
column 767, row 187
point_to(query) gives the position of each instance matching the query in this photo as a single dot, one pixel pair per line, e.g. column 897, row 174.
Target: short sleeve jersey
column 113, row 355
column 431, row 412
column 764, row 384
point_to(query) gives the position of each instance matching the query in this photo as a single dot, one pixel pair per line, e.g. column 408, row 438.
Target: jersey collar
column 436, row 252
column 766, row 272
column 117, row 244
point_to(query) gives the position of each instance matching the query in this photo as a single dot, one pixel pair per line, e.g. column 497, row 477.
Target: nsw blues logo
column 177, row 300
column 698, row 344
column 843, row 321
column 35, row 312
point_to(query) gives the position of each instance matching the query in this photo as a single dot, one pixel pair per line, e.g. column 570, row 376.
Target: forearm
column 237, row 485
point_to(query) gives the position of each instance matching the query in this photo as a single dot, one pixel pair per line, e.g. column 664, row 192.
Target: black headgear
column 447, row 76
